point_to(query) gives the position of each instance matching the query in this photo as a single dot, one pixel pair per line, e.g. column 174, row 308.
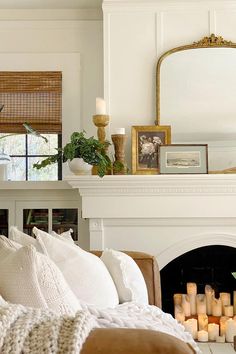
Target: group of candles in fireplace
column 206, row 317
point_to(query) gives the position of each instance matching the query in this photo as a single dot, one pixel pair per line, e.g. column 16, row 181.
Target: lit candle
column 220, row 339
column 216, row 307
column 192, row 292
column 223, row 320
column 186, row 305
column 119, row 131
column 210, row 293
column 202, row 336
column 234, row 302
column 177, row 299
column 213, row 331
column 229, row 310
column 201, row 304
column 179, row 314
column 100, row 106
column 225, row 300
column 230, row 330
column 202, row 322
column 191, row 327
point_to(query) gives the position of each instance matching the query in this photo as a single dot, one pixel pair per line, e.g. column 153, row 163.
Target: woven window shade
column 34, row 97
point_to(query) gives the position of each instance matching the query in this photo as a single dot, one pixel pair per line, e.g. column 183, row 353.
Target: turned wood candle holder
column 119, row 141
column 101, row 121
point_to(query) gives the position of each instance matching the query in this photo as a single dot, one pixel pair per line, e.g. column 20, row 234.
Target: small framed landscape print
column 178, row 158
column 145, row 142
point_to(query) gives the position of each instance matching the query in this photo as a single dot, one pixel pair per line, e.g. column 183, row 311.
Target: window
column 35, row 98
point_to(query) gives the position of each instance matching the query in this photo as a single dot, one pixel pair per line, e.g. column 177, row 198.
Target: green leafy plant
column 90, row 150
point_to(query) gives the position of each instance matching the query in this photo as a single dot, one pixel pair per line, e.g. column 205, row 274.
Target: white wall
column 136, row 33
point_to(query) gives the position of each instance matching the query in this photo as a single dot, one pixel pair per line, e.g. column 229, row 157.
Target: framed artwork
column 178, row 158
column 145, row 142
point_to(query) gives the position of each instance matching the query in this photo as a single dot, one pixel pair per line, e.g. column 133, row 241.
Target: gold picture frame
column 145, row 142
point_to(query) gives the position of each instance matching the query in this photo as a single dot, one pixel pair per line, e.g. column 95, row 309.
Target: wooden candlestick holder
column 119, row 141
column 101, row 121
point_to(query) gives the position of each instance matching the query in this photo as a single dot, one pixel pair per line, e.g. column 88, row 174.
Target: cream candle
column 201, row 304
column 192, row 292
column 225, row 300
column 177, row 299
column 186, row 305
column 202, row 336
column 210, row 293
column 213, row 331
column 202, row 322
column 223, row 320
column 191, row 327
column 100, row 106
column 216, row 307
column 230, row 330
column 119, row 131
column 228, row 310
column 179, row 314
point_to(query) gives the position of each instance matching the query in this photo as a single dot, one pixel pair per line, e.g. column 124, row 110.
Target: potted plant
column 90, row 150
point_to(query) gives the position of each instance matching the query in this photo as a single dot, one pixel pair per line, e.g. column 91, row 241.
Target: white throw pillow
column 85, row 273
column 32, row 279
column 23, row 239
column 127, row 276
column 64, row 236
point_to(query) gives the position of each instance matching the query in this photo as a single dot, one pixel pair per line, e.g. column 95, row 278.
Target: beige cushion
column 32, row 279
column 23, row 239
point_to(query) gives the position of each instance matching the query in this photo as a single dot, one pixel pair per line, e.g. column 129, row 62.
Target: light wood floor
column 217, row 348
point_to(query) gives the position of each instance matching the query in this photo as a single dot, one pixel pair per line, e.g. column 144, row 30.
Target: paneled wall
column 136, row 33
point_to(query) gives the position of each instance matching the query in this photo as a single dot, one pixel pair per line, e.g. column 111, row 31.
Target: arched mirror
column 196, row 96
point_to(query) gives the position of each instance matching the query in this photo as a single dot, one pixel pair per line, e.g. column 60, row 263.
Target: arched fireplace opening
column 211, row 265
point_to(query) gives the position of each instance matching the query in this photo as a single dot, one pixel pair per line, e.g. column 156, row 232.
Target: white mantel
column 165, row 215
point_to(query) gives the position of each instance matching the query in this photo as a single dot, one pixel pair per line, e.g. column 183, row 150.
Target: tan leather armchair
column 137, row 341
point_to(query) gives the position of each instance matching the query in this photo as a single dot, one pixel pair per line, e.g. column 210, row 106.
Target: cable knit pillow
column 64, row 236
column 23, row 239
column 85, row 273
column 32, row 279
column 127, row 276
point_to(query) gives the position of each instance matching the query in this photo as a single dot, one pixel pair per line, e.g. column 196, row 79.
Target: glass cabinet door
column 64, row 219
column 35, row 217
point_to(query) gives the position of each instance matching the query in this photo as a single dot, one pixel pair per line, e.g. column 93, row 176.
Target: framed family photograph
column 184, row 159
column 145, row 143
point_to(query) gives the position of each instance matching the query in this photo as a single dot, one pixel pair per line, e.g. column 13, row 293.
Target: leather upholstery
column 149, row 267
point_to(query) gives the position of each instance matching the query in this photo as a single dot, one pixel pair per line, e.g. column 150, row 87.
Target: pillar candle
column 191, row 327
column 179, row 314
column 201, row 304
column 202, row 336
column 220, row 339
column 213, row 331
column 192, row 292
column 186, row 305
column 230, row 330
column 119, row 131
column 210, row 293
column 228, row 310
column 100, row 106
column 202, row 322
column 216, row 307
column 234, row 302
column 225, row 300
column 223, row 320
column 177, row 299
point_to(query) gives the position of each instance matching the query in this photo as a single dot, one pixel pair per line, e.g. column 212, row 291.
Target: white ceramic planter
column 79, row 167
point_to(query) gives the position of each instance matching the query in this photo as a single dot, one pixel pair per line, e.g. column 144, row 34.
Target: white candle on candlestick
column 216, row 307
column 201, row 304
column 210, row 293
column 223, row 320
column 177, row 299
column 119, row 131
column 225, row 300
column 228, row 310
column 230, row 330
column 179, row 314
column 213, row 331
column 100, row 106
column 192, row 292
column 202, row 336
column 191, row 327
column 186, row 305
column 202, row 322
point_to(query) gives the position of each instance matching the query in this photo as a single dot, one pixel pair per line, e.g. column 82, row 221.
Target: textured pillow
column 32, row 279
column 85, row 273
column 127, row 276
column 23, row 239
column 64, row 236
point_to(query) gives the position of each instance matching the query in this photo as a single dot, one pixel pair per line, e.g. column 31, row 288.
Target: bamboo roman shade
column 34, row 97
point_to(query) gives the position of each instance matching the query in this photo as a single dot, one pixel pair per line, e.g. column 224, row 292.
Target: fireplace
column 211, row 265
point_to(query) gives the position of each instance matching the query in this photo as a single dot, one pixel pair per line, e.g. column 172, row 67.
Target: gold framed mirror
column 195, row 95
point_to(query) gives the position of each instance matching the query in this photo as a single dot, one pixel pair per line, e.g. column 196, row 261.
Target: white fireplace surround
column 165, row 215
